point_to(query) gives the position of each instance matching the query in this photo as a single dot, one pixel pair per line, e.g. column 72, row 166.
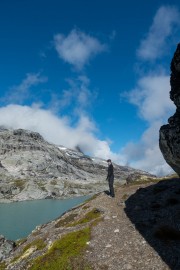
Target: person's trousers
column 111, row 188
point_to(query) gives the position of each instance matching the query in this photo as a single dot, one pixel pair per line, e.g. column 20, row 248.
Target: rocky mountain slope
column 32, row 168
column 138, row 229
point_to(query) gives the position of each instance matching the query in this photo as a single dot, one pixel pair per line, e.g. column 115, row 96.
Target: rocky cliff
column 32, row 168
column 169, row 139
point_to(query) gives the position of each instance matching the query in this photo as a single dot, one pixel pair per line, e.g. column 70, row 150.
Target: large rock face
column 169, row 140
column 32, row 168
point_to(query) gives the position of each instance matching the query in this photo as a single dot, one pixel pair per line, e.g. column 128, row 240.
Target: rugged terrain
column 169, row 141
column 138, row 229
column 31, row 168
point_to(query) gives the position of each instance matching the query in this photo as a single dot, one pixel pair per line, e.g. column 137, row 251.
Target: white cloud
column 57, row 129
column 78, row 97
column 78, row 92
column 151, row 96
column 146, row 154
column 166, row 20
column 19, row 93
column 77, row 48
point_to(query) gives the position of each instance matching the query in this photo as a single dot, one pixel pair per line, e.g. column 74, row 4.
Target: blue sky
column 93, row 74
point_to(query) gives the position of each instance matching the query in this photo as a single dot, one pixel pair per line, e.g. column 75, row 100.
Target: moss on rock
column 20, row 183
column 66, row 220
column 65, row 253
column 2, row 266
column 39, row 243
column 90, row 216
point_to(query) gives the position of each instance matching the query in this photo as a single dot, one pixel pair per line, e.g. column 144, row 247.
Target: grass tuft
column 141, row 182
column 93, row 214
column 20, row 183
column 125, row 197
column 2, row 266
column 20, row 241
column 85, row 207
column 65, row 253
column 65, row 221
column 39, row 243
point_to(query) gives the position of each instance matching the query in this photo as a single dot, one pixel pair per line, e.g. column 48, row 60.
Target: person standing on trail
column 110, row 178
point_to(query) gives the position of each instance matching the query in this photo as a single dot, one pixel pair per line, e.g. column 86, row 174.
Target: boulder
column 6, row 246
column 169, row 138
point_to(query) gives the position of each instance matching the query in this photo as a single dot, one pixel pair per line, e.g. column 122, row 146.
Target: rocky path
column 116, row 244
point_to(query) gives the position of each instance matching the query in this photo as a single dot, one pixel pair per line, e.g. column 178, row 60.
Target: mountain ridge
column 32, row 168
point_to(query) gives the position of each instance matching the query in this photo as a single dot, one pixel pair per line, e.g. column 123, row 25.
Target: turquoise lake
column 18, row 219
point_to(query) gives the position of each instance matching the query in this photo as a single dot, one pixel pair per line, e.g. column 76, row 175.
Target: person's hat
column 108, row 160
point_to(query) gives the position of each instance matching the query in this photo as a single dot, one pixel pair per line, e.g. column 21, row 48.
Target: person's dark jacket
column 110, row 172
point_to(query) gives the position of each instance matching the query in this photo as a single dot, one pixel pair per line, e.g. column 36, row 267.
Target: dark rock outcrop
column 169, row 140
